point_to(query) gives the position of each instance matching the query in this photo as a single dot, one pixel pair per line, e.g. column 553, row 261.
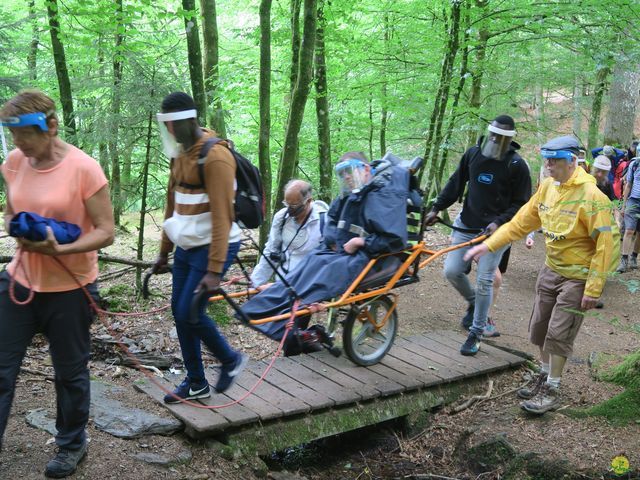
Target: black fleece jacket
column 497, row 188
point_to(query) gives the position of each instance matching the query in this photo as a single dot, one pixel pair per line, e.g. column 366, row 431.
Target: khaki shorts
column 556, row 316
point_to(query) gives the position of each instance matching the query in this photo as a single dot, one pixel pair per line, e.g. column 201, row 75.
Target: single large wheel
column 369, row 330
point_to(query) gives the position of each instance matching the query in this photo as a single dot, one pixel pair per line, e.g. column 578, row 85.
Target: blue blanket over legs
column 376, row 213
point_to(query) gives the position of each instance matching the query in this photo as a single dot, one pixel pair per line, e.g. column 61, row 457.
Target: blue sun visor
column 35, row 119
column 557, row 154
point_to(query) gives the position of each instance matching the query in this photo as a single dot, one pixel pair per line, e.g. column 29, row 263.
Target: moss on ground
column 624, row 407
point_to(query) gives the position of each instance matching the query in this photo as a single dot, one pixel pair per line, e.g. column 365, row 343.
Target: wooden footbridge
column 314, row 396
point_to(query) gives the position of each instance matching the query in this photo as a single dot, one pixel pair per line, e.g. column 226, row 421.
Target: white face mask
column 169, row 144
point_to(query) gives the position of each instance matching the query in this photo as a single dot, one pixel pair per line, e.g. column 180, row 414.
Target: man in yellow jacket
column 582, row 247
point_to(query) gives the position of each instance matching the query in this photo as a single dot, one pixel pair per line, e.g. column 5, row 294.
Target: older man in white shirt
column 295, row 231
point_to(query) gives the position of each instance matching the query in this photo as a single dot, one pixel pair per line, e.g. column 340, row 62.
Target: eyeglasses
column 294, row 205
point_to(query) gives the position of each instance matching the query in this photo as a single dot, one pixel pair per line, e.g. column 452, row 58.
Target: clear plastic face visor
column 352, row 175
column 170, row 145
column 496, row 142
column 35, row 119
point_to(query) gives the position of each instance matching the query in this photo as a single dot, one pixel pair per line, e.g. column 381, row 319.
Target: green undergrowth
column 220, row 313
column 624, row 408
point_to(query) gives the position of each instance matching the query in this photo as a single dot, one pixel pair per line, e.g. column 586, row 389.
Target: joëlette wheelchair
column 367, row 310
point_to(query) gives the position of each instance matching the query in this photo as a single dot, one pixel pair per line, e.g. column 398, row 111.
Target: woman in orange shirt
column 51, row 178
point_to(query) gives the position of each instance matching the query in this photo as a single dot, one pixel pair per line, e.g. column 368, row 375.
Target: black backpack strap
column 322, row 220
column 202, row 158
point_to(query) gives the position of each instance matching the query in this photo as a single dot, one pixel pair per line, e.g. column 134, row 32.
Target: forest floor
column 437, row 450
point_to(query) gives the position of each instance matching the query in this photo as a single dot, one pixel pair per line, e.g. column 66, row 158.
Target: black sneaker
column 65, row 462
column 188, row 391
column 228, row 374
column 472, row 345
column 467, row 320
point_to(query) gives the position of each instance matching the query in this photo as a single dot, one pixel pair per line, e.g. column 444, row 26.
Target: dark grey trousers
column 64, row 318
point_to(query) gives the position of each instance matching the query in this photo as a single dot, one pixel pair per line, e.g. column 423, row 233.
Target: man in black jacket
column 498, row 185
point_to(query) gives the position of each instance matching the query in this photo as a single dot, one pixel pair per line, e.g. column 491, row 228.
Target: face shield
column 35, row 119
column 169, row 143
column 496, row 142
column 352, row 175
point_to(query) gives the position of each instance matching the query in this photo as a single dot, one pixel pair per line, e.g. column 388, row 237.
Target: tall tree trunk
column 477, row 74
column 116, row 183
column 577, row 106
column 623, row 102
column 371, row 126
column 453, row 117
column 264, row 157
column 211, row 66
column 195, row 59
column 434, row 135
column 64, row 84
column 384, row 112
column 143, row 201
column 602, row 76
column 299, row 98
column 322, row 110
column 295, row 45
column 32, row 58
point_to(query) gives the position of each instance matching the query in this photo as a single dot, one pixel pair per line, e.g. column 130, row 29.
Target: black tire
column 357, row 330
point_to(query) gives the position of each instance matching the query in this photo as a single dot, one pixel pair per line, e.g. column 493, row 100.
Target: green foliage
column 627, row 373
column 535, row 56
column 624, row 407
column 117, row 298
column 619, row 410
column 219, row 312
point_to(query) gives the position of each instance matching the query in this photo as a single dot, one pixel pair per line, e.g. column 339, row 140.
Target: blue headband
column 350, row 162
column 555, row 154
column 36, row 119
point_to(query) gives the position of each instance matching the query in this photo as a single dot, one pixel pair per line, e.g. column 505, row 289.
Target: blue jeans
column 189, row 266
column 455, row 270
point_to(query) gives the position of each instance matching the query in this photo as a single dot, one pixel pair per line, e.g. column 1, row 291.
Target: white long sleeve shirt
column 291, row 240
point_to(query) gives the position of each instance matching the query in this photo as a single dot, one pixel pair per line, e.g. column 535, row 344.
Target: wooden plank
column 365, row 390
column 267, row 393
column 264, row 409
column 338, row 393
column 195, row 419
column 279, row 379
column 451, row 348
column 475, row 365
column 513, row 360
column 470, row 366
column 384, row 385
column 423, row 376
column 431, row 354
column 443, row 371
column 409, row 382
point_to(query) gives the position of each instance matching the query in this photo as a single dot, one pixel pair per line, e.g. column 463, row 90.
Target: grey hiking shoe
column 533, row 388
column 547, row 399
column 623, row 266
column 633, row 262
column 65, row 462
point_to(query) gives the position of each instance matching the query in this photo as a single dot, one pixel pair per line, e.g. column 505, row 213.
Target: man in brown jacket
column 199, row 222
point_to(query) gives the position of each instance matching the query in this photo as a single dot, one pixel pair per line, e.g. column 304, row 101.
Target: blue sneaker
column 471, row 345
column 188, row 391
column 229, row 373
column 490, row 329
column 467, row 320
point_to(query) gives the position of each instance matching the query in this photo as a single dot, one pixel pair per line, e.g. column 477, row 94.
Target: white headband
column 499, row 131
column 171, row 116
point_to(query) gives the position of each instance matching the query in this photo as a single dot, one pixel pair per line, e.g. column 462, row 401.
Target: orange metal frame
column 349, row 297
